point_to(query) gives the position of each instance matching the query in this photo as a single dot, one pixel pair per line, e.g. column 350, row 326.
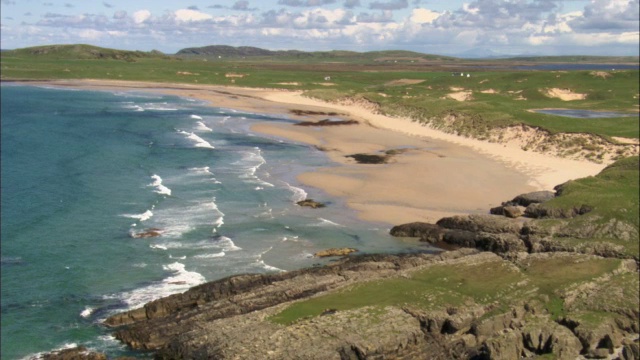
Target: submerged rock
column 147, row 233
column 311, row 203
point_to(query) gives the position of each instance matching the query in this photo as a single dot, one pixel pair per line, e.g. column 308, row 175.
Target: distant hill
column 82, row 51
column 225, row 51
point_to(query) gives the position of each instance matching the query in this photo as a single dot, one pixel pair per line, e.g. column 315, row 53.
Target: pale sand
column 565, row 94
column 544, row 171
column 441, row 174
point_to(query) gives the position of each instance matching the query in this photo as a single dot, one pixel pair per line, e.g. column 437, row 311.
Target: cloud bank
column 600, row 27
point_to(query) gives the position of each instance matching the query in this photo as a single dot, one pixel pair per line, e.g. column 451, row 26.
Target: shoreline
column 431, row 175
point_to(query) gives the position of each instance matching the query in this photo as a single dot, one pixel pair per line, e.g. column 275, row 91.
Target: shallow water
column 584, row 114
column 85, row 171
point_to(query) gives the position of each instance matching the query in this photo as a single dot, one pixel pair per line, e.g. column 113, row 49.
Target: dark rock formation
column 369, row 158
column 311, row 203
column 326, row 122
column 418, row 229
column 146, row 233
column 335, row 252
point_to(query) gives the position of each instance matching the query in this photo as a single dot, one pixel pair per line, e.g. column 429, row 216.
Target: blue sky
column 453, row 27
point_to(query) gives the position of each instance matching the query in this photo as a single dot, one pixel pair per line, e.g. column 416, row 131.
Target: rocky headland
column 513, row 287
column 545, row 275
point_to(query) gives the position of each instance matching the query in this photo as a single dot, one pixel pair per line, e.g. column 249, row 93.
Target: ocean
column 85, row 173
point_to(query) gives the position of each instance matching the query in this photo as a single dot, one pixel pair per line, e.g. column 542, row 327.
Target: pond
column 584, row 114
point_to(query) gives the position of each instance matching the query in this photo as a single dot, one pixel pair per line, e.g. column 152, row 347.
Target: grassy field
column 400, row 83
column 498, row 283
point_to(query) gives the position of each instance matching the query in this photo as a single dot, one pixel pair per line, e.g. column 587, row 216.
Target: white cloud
column 141, row 16
column 495, row 24
column 188, row 15
column 423, row 16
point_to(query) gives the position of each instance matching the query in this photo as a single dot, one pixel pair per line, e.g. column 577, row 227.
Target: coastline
column 433, row 174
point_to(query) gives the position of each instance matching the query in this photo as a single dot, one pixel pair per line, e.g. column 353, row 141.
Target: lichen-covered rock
column 507, row 346
column 550, row 338
column 513, row 211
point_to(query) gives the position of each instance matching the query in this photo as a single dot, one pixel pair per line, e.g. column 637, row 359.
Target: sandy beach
column 431, row 174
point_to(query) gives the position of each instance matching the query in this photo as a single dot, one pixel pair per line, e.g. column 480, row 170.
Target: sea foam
column 199, row 142
column 200, row 126
column 142, row 217
column 179, row 280
column 157, row 183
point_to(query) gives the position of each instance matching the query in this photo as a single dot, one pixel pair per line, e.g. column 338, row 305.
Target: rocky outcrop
column 159, row 322
column 233, row 318
column 334, row 252
column 326, row 122
column 76, row 353
column 538, row 211
column 535, row 197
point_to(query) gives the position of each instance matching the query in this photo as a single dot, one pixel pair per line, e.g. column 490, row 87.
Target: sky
column 451, row 27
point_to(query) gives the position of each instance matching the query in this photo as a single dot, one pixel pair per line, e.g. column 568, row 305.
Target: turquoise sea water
column 83, row 171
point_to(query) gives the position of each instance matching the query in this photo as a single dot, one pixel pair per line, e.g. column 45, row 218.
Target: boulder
column 498, row 210
column 535, row 197
column 428, row 232
column 334, row 252
column 513, row 211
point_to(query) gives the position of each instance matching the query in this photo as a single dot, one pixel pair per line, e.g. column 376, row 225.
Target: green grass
column 428, row 289
column 372, row 76
column 496, row 283
column 613, row 195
